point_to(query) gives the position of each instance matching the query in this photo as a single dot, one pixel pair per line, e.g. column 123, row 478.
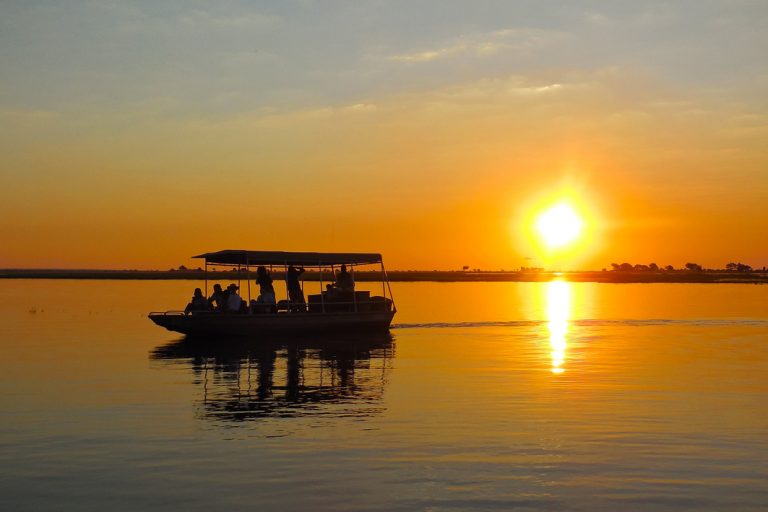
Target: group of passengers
column 229, row 300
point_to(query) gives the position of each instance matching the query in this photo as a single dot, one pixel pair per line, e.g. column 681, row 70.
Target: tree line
column 691, row 267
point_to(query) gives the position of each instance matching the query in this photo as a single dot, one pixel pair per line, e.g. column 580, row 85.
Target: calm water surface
column 525, row 396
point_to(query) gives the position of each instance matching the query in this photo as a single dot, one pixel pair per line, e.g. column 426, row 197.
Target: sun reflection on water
column 558, row 313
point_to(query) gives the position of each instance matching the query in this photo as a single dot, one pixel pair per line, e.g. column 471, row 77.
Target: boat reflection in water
column 240, row 380
column 558, row 314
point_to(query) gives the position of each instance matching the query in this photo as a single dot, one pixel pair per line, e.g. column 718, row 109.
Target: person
column 217, row 299
column 293, row 283
column 198, row 303
column 234, row 302
column 344, row 280
column 266, row 290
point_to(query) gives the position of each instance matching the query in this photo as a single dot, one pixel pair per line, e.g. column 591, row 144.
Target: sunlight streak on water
column 558, row 314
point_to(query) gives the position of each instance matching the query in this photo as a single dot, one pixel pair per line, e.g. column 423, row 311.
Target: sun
column 559, row 225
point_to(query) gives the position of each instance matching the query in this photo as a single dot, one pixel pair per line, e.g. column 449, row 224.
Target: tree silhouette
column 738, row 267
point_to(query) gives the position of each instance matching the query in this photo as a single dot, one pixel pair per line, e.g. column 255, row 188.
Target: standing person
column 266, row 290
column 292, row 282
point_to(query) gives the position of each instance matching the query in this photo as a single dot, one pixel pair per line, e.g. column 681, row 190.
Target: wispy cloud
column 496, row 89
column 360, row 107
column 645, row 16
column 29, row 117
column 486, row 44
column 269, row 118
column 199, row 17
column 428, row 55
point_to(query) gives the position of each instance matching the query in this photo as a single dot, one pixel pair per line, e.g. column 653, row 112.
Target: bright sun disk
column 559, row 225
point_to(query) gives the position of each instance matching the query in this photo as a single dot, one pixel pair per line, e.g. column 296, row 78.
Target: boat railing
column 282, row 308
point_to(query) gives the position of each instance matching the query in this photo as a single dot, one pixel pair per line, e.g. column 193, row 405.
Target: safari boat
column 328, row 311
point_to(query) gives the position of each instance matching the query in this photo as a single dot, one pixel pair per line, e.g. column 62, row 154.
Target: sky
column 136, row 134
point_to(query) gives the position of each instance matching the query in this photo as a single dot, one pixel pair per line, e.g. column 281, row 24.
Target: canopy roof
column 243, row 257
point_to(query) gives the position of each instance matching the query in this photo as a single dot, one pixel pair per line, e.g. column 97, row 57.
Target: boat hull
column 214, row 324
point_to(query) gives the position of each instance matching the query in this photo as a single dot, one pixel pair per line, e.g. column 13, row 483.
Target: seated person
column 218, row 298
column 198, row 303
column 344, row 280
column 343, row 290
column 234, row 302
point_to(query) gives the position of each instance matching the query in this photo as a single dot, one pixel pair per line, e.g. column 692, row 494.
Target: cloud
column 644, row 17
column 28, row 118
column 428, row 55
column 513, row 86
column 471, row 97
column 486, row 44
column 597, row 18
column 360, row 107
column 201, row 18
column 272, row 117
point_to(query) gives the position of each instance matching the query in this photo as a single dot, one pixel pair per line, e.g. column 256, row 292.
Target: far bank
column 677, row 276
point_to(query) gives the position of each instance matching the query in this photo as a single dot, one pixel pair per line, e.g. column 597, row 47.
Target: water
column 487, row 396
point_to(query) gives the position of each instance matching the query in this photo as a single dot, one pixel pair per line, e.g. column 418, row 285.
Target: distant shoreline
column 679, row 276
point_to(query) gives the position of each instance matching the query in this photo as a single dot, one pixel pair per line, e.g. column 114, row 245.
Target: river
column 485, row 396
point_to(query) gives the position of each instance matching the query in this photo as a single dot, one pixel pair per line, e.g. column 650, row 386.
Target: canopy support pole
column 248, row 279
column 391, row 297
column 285, row 277
column 383, row 282
column 322, row 297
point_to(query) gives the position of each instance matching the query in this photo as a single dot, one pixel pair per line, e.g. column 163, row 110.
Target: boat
column 327, row 312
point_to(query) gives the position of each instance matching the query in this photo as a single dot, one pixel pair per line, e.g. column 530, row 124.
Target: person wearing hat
column 234, row 302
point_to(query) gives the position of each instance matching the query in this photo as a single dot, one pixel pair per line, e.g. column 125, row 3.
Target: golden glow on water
column 558, row 314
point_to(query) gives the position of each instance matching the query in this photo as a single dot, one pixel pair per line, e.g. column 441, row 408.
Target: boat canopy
column 243, row 257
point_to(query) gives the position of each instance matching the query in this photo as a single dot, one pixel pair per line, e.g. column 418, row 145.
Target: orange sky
column 134, row 137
